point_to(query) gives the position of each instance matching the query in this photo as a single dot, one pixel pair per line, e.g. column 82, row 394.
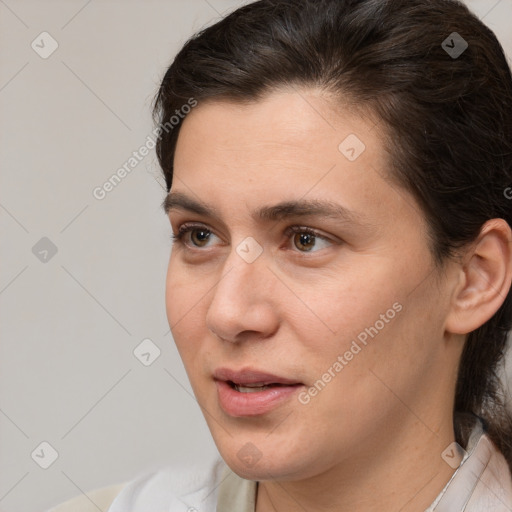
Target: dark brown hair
column 448, row 116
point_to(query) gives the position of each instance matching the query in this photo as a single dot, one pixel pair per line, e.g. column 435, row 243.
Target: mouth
column 250, row 392
column 250, row 378
column 254, row 388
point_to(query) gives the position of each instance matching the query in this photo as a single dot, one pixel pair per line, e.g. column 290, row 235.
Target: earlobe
column 486, row 278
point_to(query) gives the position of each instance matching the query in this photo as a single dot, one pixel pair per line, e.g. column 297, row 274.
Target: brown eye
column 199, row 236
column 192, row 236
column 304, row 241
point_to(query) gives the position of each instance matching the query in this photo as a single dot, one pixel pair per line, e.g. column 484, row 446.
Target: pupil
column 201, row 235
column 306, row 240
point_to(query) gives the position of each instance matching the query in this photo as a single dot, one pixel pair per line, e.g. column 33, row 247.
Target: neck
column 403, row 471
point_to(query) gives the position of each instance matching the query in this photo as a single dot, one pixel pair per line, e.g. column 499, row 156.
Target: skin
column 372, row 438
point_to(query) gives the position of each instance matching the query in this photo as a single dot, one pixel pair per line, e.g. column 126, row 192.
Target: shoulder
column 482, row 483
column 92, row 501
column 493, row 491
column 177, row 488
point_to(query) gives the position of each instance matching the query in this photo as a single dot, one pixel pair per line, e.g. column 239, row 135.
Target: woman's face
column 345, row 313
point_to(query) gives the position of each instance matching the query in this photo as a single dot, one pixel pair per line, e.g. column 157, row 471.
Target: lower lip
column 236, row 403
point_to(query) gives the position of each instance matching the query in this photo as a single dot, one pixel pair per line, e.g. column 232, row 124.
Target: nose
column 244, row 301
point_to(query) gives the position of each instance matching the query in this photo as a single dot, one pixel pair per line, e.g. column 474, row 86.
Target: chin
column 265, row 462
column 260, row 471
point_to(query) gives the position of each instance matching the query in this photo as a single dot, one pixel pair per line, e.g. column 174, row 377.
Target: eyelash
column 186, row 228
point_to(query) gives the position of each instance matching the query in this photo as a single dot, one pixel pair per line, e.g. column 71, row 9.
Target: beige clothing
column 235, row 493
column 482, row 483
column 92, row 501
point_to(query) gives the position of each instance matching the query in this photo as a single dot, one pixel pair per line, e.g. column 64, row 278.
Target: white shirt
column 482, row 483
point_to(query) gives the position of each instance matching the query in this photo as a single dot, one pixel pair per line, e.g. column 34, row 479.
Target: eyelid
column 187, row 227
column 296, row 228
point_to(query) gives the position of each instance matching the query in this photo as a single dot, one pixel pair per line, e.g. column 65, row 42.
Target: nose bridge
column 244, row 272
column 241, row 298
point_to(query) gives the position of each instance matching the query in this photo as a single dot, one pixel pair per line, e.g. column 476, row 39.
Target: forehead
column 288, row 135
column 281, row 116
column 291, row 144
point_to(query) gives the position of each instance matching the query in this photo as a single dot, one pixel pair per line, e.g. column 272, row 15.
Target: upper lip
column 250, row 376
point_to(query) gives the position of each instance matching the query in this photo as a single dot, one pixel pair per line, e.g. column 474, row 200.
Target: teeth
column 244, row 389
column 252, row 388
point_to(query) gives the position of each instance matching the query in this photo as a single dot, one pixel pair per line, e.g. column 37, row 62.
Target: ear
column 485, row 278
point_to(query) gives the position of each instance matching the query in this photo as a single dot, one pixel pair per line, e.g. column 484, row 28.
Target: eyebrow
column 280, row 211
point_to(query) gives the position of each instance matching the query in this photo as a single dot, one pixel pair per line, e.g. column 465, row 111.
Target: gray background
column 69, row 324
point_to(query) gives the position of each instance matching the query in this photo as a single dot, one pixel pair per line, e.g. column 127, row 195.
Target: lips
column 250, row 392
column 252, row 378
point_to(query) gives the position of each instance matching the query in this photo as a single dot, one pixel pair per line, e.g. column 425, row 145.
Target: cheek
column 340, row 308
column 173, row 290
column 369, row 327
column 184, row 307
column 387, row 362
column 356, row 380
